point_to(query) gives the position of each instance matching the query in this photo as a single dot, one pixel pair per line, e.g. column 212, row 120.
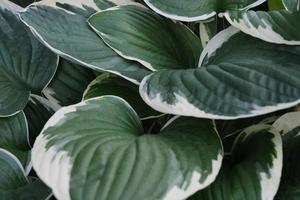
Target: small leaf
column 107, row 84
column 145, row 37
column 98, row 150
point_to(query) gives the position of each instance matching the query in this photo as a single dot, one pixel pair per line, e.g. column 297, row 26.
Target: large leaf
column 97, row 150
column 107, row 84
column 195, row 10
column 37, row 111
column 14, row 184
column 139, row 34
column 289, row 126
column 26, row 66
column 63, row 28
column 15, row 137
column 253, row 170
column 229, row 85
column 279, row 27
column 68, row 84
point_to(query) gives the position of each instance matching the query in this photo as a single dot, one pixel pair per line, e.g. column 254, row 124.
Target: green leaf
column 53, row 23
column 195, row 10
column 253, row 170
column 68, row 84
column 289, row 126
column 26, row 66
column 275, row 5
column 107, row 84
column 145, row 37
column 280, row 27
column 14, row 184
column 229, row 85
column 15, row 137
column 291, row 5
column 37, row 111
column 172, row 164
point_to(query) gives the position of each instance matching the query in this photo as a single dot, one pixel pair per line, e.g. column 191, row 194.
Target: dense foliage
column 149, row 100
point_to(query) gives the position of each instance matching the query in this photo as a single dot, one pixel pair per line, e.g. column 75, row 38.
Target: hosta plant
column 149, row 100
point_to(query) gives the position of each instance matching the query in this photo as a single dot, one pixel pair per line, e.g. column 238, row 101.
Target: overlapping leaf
column 13, row 182
column 143, row 36
column 97, row 150
column 26, row 66
column 63, row 28
column 253, row 170
column 195, row 10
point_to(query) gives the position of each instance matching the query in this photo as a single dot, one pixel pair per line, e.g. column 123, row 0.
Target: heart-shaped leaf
column 68, row 84
column 167, row 45
column 195, row 10
column 15, row 137
column 14, row 184
column 53, row 23
column 229, row 85
column 107, row 84
column 26, row 66
column 97, row 149
column 289, row 127
column 252, row 171
column 277, row 26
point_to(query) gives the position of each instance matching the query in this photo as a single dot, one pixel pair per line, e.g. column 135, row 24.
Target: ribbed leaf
column 37, row 111
column 229, row 84
column 107, row 84
column 195, row 10
column 97, row 150
column 279, row 27
column 143, row 36
column 253, row 170
column 54, row 24
column 292, row 5
column 14, row 185
column 26, row 66
column 68, row 84
column 289, row 126
column 15, row 137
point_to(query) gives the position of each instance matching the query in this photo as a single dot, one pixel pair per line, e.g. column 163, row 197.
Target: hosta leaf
column 289, row 126
column 229, row 85
column 14, row 137
column 166, row 45
column 68, row 84
column 97, row 150
column 292, row 5
column 253, row 170
column 14, row 184
column 195, row 10
column 25, row 65
column 37, row 111
column 54, row 26
column 107, row 84
column 279, row 27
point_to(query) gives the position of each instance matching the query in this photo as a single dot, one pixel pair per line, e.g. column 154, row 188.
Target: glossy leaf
column 26, row 66
column 104, row 136
column 145, row 37
column 53, row 22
